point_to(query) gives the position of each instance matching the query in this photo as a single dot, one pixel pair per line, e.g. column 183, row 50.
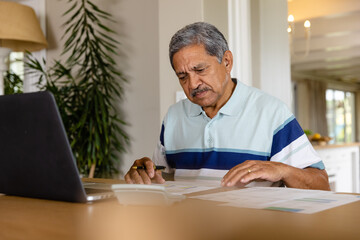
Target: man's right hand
column 143, row 176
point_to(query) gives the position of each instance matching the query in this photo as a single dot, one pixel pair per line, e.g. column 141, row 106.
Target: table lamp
column 19, row 31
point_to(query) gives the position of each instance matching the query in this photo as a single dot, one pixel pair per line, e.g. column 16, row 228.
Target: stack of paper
column 283, row 199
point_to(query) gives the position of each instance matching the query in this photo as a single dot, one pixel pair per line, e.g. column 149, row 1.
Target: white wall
column 139, row 60
column 270, row 51
column 216, row 13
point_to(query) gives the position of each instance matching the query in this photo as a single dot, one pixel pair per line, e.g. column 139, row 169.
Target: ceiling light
column 291, row 32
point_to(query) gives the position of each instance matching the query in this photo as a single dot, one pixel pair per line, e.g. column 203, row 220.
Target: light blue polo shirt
column 252, row 125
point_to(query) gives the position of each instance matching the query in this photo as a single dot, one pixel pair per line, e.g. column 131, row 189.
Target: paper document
column 186, row 187
column 282, row 199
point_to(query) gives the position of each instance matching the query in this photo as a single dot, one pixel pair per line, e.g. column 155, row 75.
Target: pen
column 143, row 167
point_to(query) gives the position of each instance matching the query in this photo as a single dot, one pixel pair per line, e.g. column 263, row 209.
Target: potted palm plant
column 87, row 86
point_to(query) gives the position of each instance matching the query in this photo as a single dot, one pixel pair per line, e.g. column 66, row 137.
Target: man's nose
column 195, row 81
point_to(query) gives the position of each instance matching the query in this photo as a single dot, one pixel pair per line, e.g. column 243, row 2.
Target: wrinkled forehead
column 193, row 55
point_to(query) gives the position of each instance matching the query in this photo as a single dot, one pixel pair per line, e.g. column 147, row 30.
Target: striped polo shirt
column 252, row 125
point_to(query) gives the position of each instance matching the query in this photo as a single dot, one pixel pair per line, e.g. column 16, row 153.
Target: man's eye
column 200, row 70
column 182, row 77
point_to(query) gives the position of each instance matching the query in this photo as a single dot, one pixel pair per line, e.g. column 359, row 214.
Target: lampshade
column 19, row 28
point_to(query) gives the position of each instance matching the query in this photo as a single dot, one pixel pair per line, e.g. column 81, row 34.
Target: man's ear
column 228, row 60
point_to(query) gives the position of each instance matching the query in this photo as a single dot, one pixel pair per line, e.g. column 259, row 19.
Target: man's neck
column 211, row 111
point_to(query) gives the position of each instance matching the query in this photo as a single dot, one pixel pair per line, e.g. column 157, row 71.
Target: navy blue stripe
column 285, row 136
column 162, row 134
column 211, row 159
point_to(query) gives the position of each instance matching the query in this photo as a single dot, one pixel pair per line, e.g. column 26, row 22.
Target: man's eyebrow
column 180, row 73
column 197, row 67
column 200, row 65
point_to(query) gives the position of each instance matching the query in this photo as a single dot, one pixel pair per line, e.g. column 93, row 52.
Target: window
column 340, row 115
column 13, row 82
column 16, row 63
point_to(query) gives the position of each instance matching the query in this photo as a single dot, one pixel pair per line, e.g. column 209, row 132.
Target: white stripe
column 281, row 156
column 306, row 157
column 299, row 153
column 230, row 150
column 206, row 174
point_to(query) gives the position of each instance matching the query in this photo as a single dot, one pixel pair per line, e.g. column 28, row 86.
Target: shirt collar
column 233, row 106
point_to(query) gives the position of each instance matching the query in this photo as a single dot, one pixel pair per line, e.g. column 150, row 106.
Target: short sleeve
column 291, row 146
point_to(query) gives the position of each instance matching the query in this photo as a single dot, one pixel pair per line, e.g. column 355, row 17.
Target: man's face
column 204, row 80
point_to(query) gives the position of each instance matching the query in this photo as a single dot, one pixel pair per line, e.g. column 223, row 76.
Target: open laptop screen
column 35, row 156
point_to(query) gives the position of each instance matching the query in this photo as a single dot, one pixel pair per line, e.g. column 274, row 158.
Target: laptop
column 35, row 155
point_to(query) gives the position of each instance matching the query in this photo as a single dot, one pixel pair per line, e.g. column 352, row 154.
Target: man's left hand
column 253, row 170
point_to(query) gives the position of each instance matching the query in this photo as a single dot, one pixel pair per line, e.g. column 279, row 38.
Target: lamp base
column 4, row 52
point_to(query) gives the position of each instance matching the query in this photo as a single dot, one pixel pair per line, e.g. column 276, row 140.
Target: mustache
column 199, row 90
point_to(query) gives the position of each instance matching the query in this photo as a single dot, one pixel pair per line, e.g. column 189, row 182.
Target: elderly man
column 226, row 130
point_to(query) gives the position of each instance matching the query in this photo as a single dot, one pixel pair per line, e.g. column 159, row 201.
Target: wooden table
column 26, row 218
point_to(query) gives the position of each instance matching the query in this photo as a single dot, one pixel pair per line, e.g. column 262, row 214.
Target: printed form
column 281, row 199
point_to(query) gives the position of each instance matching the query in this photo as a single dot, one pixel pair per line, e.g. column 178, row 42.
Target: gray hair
column 199, row 33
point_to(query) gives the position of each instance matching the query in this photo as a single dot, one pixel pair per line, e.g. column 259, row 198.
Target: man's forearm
column 308, row 178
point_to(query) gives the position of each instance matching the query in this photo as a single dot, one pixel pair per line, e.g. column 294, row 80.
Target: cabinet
column 342, row 165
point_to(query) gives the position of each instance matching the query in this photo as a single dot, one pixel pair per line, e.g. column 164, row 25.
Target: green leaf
column 70, row 9
column 106, row 28
column 97, row 9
